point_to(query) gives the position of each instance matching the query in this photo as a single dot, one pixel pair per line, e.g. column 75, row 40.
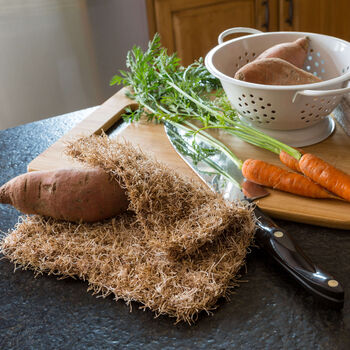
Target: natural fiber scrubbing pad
column 178, row 215
column 118, row 256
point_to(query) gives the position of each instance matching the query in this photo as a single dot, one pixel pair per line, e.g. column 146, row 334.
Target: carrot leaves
column 167, row 91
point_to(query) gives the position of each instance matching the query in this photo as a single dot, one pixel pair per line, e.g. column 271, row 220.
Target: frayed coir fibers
column 176, row 250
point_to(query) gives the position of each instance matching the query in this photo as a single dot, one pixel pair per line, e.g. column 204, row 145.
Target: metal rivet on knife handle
column 278, row 234
column 333, row 283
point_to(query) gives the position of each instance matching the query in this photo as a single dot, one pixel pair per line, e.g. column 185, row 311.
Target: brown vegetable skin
column 274, row 71
column 293, row 52
column 68, row 194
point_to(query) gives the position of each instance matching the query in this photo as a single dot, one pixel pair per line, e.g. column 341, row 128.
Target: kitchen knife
column 221, row 174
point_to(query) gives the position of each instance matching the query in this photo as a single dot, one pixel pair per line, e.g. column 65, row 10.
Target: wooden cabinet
column 191, row 27
column 317, row 16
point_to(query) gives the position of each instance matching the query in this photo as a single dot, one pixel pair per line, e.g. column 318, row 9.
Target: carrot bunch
column 311, row 176
column 325, row 174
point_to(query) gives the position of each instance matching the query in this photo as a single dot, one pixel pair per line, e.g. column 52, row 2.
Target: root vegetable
column 293, row 52
column 275, row 177
column 331, row 178
column 321, row 172
column 290, row 161
column 68, row 194
column 274, row 71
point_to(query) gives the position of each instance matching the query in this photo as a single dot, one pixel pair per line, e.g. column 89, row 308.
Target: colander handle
column 320, row 93
column 235, row 30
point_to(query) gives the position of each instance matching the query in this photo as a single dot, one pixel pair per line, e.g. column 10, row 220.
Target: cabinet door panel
column 191, row 27
column 196, row 30
column 317, row 16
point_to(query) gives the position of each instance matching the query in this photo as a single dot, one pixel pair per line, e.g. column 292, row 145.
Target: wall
column 116, row 25
column 59, row 55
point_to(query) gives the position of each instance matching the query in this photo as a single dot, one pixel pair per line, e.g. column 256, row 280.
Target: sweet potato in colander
column 274, row 71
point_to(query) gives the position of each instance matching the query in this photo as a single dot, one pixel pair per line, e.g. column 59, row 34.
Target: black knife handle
column 280, row 245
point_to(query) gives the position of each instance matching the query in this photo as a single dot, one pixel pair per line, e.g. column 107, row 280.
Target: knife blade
column 221, row 174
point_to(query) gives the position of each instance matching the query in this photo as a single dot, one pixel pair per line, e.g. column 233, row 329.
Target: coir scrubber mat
column 176, row 251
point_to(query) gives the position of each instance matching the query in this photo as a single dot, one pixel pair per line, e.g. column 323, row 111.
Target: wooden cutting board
column 152, row 139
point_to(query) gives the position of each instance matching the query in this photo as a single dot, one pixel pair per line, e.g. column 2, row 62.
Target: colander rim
column 218, row 74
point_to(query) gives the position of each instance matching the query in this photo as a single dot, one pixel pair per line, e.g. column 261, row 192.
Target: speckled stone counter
column 268, row 311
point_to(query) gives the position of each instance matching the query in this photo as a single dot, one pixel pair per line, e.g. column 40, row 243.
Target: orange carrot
column 273, row 176
column 328, row 176
column 290, row 161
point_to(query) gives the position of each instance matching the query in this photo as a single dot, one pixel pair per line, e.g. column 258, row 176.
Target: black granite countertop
column 269, row 311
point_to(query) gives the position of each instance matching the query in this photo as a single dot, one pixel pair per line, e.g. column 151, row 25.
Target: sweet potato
column 274, row 71
column 294, row 52
column 67, row 194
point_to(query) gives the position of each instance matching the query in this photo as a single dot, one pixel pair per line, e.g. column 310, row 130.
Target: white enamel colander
column 295, row 114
